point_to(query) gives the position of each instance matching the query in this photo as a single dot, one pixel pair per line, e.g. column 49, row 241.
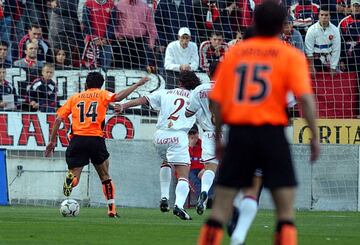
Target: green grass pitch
column 43, row 225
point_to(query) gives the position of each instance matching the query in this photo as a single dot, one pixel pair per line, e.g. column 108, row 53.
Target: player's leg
column 286, row 232
column 236, row 172
column 76, row 158
column 177, row 154
column 195, row 181
column 71, row 180
column 165, row 170
column 211, row 164
column 212, row 231
column 100, row 159
column 207, row 179
column 165, row 181
column 247, row 209
column 279, row 177
column 181, row 191
column 108, row 186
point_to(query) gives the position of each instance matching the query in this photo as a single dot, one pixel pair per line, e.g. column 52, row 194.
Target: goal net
column 48, row 47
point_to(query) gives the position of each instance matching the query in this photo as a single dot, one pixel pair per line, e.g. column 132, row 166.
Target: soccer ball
column 69, row 208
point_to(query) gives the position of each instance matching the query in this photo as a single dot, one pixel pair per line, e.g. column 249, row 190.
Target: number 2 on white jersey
column 179, row 106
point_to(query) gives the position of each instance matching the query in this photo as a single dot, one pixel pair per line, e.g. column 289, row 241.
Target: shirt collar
column 29, row 62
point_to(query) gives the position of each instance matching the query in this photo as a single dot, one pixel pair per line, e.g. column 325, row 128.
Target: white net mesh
column 129, row 39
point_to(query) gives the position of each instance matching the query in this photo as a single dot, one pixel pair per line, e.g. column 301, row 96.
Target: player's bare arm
column 125, row 93
column 215, row 110
column 308, row 105
column 51, row 145
column 119, row 108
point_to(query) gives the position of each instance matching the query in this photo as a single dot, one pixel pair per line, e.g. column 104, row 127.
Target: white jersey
column 324, row 41
column 199, row 104
column 171, row 103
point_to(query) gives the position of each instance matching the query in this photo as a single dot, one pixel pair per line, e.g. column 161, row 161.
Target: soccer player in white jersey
column 170, row 139
column 199, row 105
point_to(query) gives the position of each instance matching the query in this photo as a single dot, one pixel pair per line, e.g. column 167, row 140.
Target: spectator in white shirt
column 323, row 44
column 180, row 55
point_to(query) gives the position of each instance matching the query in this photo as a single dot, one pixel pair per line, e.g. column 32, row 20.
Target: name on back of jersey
column 204, row 94
column 184, row 93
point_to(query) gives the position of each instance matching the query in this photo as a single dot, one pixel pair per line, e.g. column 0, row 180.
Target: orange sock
column 75, row 181
column 211, row 233
column 109, row 192
column 286, row 234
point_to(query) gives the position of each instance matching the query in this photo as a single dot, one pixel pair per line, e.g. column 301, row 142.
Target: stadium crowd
column 165, row 37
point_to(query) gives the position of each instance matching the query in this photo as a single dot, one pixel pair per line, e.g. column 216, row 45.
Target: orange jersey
column 88, row 110
column 254, row 79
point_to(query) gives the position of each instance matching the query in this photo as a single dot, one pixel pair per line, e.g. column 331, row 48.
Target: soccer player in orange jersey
column 251, row 86
column 88, row 110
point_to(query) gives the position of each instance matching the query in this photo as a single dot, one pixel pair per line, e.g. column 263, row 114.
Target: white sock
column 165, row 180
column 237, row 200
column 181, row 192
column 207, row 180
column 248, row 209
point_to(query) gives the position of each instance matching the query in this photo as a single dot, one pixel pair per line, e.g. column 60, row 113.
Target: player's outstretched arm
column 124, row 93
column 51, row 145
column 307, row 102
column 135, row 102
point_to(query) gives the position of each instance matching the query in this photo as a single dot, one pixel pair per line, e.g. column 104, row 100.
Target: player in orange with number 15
column 251, row 86
column 88, row 110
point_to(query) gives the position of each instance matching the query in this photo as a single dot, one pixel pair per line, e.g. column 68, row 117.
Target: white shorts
column 208, row 148
column 172, row 146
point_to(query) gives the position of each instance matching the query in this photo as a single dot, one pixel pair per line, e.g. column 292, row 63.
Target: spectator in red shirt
column 349, row 31
column 212, row 50
column 44, row 52
column 305, row 13
column 196, row 168
column 343, row 9
column 212, row 15
column 98, row 29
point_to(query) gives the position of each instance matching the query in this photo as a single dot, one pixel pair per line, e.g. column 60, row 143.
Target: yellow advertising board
column 331, row 131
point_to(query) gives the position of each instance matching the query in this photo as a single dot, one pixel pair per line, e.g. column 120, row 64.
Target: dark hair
column 36, row 26
column 49, row 65
column 216, row 33
column 269, row 18
column 194, row 130
column 57, row 50
column 188, row 80
column 212, row 69
column 94, row 80
column 325, row 7
column 249, row 33
column 4, row 43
